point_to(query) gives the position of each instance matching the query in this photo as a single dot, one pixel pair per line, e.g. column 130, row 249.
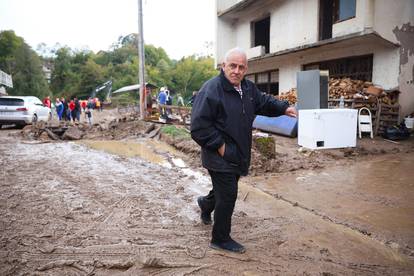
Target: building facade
column 371, row 40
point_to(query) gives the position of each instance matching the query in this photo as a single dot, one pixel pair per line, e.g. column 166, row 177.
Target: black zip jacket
column 219, row 115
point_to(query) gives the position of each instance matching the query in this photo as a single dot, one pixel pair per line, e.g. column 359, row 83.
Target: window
column 357, row 68
column 261, row 33
column 267, row 82
column 11, row 102
column 344, row 9
column 325, row 19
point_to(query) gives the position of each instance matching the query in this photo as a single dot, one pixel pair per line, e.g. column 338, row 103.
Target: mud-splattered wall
column 394, row 20
column 405, row 37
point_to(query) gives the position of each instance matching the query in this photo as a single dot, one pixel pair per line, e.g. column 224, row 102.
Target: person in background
column 88, row 115
column 168, row 101
column 148, row 98
column 180, row 100
column 90, row 104
column 221, row 123
column 72, row 110
column 47, row 102
column 192, row 98
column 66, row 112
column 98, row 104
column 59, row 108
column 83, row 105
column 162, row 100
column 77, row 110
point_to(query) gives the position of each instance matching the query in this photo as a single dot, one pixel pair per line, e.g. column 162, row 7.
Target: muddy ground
column 120, row 203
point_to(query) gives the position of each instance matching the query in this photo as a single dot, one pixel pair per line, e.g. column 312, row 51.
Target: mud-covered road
column 72, row 209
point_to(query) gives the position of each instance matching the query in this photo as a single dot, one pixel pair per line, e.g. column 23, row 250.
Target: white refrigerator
column 327, row 128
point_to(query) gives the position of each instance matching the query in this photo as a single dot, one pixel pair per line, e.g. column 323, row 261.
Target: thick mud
column 374, row 197
column 115, row 209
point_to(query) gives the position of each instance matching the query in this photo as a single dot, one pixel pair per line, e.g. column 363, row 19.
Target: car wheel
column 34, row 119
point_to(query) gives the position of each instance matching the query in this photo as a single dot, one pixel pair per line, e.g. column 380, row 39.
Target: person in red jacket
column 83, row 105
column 72, row 110
column 47, row 102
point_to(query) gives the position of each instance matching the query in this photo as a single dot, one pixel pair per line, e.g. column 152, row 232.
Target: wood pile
column 291, row 96
column 350, row 89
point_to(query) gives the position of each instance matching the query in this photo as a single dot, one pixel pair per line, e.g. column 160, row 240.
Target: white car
column 22, row 110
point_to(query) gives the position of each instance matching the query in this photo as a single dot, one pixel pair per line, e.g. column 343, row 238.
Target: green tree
column 19, row 60
column 91, row 75
column 154, row 55
column 191, row 72
column 62, row 74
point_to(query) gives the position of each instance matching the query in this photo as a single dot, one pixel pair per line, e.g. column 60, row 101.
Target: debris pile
column 114, row 129
column 54, row 131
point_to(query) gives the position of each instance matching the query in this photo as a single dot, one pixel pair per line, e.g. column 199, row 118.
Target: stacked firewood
column 349, row 89
column 291, row 96
column 346, row 88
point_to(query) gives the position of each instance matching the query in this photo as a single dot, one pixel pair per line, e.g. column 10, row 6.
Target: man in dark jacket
column 221, row 123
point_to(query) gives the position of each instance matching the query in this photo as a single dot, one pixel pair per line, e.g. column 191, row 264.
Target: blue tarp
column 283, row 125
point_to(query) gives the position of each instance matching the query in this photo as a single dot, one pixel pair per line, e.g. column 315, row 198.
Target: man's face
column 235, row 67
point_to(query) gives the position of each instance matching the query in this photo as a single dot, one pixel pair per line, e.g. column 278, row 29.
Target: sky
column 180, row 27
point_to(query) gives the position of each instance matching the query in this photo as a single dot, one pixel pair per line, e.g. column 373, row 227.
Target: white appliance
column 327, row 128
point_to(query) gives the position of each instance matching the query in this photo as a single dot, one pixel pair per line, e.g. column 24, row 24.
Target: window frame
column 255, row 78
column 336, row 11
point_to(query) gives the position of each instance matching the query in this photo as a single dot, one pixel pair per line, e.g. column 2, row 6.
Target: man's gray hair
column 236, row 50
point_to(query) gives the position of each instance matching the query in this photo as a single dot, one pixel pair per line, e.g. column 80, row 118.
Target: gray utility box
column 313, row 88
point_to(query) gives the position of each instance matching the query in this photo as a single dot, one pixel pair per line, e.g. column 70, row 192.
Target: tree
column 154, row 55
column 19, row 60
column 91, row 75
column 191, row 72
column 62, row 74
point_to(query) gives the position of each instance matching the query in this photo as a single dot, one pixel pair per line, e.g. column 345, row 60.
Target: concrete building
column 47, row 72
column 371, row 40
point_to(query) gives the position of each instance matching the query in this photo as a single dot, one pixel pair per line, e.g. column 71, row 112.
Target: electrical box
column 313, row 86
column 327, row 128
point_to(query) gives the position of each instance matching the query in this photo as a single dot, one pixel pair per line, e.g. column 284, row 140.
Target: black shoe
column 205, row 215
column 230, row 245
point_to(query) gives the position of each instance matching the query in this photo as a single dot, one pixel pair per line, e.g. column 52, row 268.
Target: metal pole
column 141, row 69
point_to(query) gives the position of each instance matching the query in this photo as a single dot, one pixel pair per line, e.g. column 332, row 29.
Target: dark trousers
column 222, row 199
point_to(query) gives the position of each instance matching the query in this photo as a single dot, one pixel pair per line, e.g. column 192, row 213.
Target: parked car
column 22, row 110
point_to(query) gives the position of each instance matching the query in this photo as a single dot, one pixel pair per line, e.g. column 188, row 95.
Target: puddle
column 141, row 149
column 155, row 152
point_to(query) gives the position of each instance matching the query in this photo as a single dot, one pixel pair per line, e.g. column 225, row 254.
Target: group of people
column 165, row 98
column 71, row 110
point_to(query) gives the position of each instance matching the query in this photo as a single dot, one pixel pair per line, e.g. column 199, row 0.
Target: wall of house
column 293, row 23
column 394, row 20
column 226, row 38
